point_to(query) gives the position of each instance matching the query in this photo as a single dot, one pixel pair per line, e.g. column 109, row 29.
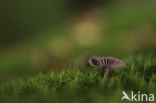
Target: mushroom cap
column 109, row 62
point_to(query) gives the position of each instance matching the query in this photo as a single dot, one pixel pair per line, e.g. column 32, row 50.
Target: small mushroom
column 105, row 63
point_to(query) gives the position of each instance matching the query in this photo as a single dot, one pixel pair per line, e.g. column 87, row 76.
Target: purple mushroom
column 105, row 63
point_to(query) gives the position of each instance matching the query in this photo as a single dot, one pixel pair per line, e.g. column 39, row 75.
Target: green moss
column 84, row 85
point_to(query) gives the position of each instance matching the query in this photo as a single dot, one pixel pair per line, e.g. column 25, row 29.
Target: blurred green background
column 41, row 36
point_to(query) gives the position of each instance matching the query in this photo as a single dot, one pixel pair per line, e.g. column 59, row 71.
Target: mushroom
column 105, row 63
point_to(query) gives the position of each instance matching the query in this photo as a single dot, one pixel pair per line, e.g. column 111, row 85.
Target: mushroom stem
column 105, row 71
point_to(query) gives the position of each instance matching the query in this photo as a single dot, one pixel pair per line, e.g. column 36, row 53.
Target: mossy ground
column 84, row 85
